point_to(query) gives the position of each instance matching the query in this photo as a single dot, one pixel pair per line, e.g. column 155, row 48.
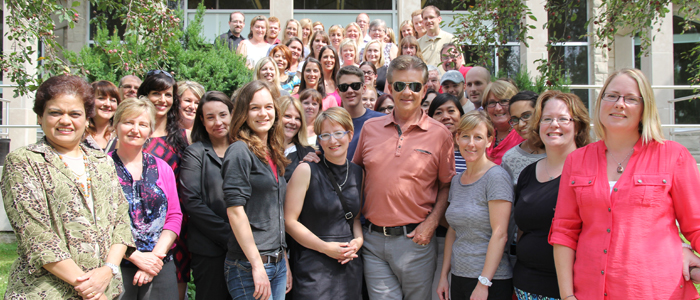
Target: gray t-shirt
column 516, row 159
column 468, row 215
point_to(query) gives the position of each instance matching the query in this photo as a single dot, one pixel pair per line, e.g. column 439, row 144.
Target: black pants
column 462, row 288
column 163, row 286
column 208, row 273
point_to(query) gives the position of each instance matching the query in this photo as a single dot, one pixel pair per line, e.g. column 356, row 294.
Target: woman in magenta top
column 614, row 230
column 495, row 102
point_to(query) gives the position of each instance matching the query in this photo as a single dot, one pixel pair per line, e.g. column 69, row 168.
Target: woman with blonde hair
column 496, row 101
column 406, row 29
column 610, row 190
column 291, row 29
column 374, row 54
column 267, row 70
column 336, row 34
column 318, row 26
column 390, row 37
column 306, row 31
column 189, row 92
column 255, row 47
column 348, row 52
column 353, row 31
column 296, row 141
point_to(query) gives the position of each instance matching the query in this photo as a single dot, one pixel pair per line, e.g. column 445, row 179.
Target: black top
column 295, row 157
column 232, row 41
column 534, row 270
column 249, row 182
column 203, row 197
column 381, row 78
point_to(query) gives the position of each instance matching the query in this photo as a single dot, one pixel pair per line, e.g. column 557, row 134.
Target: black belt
column 392, row 231
column 266, row 259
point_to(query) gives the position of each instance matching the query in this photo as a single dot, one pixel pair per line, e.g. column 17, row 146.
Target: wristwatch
column 485, row 281
column 115, row 269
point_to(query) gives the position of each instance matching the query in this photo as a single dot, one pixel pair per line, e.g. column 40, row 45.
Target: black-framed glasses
column 502, row 103
column 355, row 86
column 337, row 135
column 524, row 117
column 560, row 120
column 387, row 109
column 368, row 73
column 399, row 86
column 629, row 100
column 156, row 72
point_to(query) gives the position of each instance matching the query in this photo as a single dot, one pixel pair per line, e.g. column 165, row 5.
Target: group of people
column 484, row 190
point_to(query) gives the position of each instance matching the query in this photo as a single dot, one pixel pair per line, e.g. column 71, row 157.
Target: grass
column 8, row 254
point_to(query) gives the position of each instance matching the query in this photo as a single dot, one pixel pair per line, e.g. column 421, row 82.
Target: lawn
column 8, row 254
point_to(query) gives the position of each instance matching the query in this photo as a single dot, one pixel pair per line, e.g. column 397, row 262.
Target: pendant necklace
column 346, row 172
column 546, row 167
column 84, row 187
column 620, row 169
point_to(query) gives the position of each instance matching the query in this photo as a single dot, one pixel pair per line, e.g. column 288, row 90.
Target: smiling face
column 475, row 83
column 407, row 101
column 105, row 107
column 63, row 122
column 291, row 120
column 318, row 27
column 454, row 89
column 259, row 30
column 216, row 119
column 448, row 115
column 428, row 99
column 306, row 32
column 473, row 143
column 431, row 21
column 351, row 98
column 163, row 101
column 297, row 49
column 334, row 147
column 408, row 50
column 348, row 54
column 273, row 31
column 521, row 109
column 363, row 21
column 267, row 72
column 133, row 131
column 188, row 105
column 291, row 29
column 279, row 59
column 619, row 116
column 261, row 113
column 328, row 60
column 406, row 30
column 317, row 44
column 433, row 80
column 556, row 134
column 369, row 75
column 311, row 75
column 387, row 106
column 129, row 87
column 336, row 38
column 499, row 114
column 311, row 109
column 418, row 25
column 236, row 23
column 372, row 53
column 451, row 59
column 377, row 33
column 352, row 33
column 369, row 98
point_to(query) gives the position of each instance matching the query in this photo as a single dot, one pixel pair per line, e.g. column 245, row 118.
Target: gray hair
column 432, row 68
column 377, row 23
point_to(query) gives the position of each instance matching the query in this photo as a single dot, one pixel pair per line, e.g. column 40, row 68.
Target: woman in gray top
column 521, row 108
column 254, row 191
column 480, row 203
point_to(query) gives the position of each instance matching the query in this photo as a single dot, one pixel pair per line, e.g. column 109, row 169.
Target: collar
column 637, row 146
column 42, row 146
column 230, row 35
column 423, row 123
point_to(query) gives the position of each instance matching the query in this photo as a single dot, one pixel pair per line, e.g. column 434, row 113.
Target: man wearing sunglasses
column 350, row 85
column 408, row 160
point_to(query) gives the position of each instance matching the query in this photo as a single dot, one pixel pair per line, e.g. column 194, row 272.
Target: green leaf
column 573, row 17
column 533, row 18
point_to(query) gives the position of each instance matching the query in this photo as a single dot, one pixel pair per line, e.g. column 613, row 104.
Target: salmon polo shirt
column 626, row 240
column 403, row 168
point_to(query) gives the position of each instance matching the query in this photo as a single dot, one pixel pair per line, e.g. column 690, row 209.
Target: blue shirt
column 357, row 123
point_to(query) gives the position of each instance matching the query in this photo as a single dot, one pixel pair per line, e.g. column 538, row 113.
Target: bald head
column 128, row 86
column 475, row 82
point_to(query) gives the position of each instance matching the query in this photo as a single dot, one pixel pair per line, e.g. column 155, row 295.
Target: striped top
column 460, row 164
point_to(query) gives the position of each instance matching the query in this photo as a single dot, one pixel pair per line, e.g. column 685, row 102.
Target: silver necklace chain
column 346, row 172
column 620, row 169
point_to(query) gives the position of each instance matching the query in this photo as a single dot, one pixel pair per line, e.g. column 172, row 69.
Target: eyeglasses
column 524, row 117
column 355, row 86
column 387, row 109
column 502, row 103
column 629, row 100
column 337, row 135
column 560, row 120
column 368, row 73
column 156, row 72
column 399, row 86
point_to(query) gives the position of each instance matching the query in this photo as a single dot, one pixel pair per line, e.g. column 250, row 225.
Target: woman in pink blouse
column 614, row 231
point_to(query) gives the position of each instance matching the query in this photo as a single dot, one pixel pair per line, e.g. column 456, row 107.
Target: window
column 343, row 4
column 571, row 54
column 231, row 4
column 112, row 22
column 686, row 111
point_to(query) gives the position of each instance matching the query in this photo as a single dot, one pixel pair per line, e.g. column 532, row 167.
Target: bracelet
column 567, row 297
column 687, row 246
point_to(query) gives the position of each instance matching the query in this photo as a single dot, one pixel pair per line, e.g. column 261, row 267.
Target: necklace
column 620, row 169
column 84, row 187
column 501, row 139
column 346, row 172
column 546, row 167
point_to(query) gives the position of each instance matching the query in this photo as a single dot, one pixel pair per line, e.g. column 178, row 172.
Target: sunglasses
column 355, row 86
column 399, row 86
column 156, row 72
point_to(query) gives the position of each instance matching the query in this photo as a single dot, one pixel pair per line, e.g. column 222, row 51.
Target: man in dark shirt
column 352, row 101
column 231, row 38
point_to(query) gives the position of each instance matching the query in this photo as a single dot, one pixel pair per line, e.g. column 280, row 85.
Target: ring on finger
column 91, row 294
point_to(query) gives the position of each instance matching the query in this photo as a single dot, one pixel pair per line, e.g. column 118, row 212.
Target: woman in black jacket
column 201, row 189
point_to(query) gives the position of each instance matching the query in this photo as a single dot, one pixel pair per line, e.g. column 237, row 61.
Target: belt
column 392, row 231
column 266, row 259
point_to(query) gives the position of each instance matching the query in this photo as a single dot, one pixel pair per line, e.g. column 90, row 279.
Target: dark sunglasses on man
column 399, row 86
column 355, row 86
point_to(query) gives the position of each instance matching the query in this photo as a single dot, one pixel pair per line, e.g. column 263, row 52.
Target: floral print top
column 52, row 221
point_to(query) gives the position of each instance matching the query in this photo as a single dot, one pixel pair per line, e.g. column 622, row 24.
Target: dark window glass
column 446, row 5
column 111, row 21
column 342, row 4
column 573, row 61
column 508, row 64
column 686, row 111
column 570, row 31
column 231, row 4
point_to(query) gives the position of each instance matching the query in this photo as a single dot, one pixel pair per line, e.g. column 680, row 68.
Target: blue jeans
column 239, row 278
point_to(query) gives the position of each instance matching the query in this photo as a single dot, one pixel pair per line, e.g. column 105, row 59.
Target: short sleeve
column 28, row 213
column 235, row 171
column 566, row 225
column 499, row 186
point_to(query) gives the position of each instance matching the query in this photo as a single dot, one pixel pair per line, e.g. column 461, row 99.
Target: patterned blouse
column 52, row 222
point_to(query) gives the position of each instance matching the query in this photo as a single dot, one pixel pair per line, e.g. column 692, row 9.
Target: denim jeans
column 239, row 278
